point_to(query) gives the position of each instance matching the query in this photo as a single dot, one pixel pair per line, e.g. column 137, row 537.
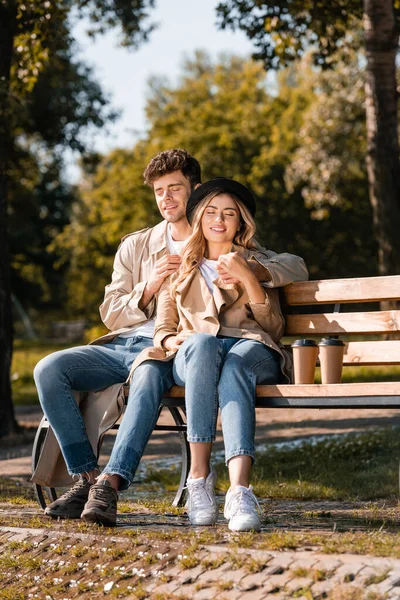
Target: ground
column 308, row 548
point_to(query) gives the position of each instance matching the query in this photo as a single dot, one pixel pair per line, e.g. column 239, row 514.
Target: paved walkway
column 43, row 564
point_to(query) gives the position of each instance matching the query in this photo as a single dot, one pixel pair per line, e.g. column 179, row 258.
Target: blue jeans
column 90, row 368
column 224, row 371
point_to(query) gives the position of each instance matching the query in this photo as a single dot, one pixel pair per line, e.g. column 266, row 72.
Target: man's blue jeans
column 90, row 368
column 224, row 371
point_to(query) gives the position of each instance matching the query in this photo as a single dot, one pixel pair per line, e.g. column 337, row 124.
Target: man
column 143, row 261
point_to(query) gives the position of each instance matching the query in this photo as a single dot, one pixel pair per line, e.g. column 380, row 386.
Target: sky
column 183, row 27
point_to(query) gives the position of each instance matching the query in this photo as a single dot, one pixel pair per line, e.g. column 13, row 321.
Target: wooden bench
column 317, row 309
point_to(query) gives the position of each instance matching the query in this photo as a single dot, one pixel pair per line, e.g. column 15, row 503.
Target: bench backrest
column 337, row 320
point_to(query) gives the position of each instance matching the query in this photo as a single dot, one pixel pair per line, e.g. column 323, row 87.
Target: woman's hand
column 173, row 342
column 237, row 267
column 233, row 268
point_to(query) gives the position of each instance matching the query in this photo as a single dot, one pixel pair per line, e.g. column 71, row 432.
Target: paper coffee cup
column 331, row 352
column 304, row 360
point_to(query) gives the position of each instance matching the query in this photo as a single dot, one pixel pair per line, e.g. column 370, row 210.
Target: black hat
column 223, row 184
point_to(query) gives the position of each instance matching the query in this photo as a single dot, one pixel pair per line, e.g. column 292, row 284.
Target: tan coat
column 226, row 312
column 120, row 312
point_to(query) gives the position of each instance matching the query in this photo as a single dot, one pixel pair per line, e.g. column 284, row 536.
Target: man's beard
column 175, row 218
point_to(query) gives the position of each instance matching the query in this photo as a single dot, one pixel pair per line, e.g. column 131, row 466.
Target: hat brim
column 224, row 185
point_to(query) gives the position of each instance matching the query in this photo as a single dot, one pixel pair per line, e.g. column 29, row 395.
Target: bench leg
column 179, row 416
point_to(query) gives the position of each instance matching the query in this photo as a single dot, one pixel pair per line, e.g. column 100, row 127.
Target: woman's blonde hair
column 195, row 248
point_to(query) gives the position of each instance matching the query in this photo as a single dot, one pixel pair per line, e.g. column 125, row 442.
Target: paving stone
column 232, row 594
column 395, row 578
column 304, row 563
column 298, row 583
column 272, row 570
column 166, row 588
column 251, row 582
column 277, row 582
column 346, row 573
column 329, row 563
column 320, row 588
column 217, row 574
column 206, row 593
column 173, row 571
column 191, row 575
column 258, row 594
column 366, row 574
column 282, row 560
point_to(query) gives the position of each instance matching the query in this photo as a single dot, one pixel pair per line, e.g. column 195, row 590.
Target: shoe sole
column 240, row 524
column 48, row 513
column 202, row 523
column 99, row 518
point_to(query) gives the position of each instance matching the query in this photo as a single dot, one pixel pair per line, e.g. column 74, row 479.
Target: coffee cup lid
column 331, row 342
column 304, row 342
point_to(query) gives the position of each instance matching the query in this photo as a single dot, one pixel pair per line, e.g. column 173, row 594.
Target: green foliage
column 284, row 30
column 54, row 102
column 113, row 202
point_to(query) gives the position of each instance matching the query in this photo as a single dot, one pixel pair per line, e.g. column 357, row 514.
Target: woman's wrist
column 164, row 341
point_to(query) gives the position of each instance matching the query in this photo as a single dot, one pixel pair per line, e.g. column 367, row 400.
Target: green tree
column 112, row 203
column 64, row 104
column 283, row 30
column 29, row 36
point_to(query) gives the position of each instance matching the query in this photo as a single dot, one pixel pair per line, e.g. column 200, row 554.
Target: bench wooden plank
column 333, row 390
column 336, row 323
column 377, row 352
column 333, row 291
column 314, row 402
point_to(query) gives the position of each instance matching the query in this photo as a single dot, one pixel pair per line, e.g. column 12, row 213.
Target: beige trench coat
column 226, row 312
column 120, row 312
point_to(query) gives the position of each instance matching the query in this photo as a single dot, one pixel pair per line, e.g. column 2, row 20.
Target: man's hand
column 173, row 342
column 233, row 268
column 164, row 266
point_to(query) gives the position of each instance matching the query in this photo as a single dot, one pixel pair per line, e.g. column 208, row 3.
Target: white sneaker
column 242, row 509
column 202, row 507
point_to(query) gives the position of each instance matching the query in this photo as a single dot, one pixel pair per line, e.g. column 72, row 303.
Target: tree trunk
column 383, row 164
column 7, row 31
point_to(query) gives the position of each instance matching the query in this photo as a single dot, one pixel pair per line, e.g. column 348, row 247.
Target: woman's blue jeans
column 224, row 371
column 90, row 368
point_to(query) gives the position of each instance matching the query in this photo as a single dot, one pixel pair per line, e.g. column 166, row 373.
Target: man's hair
column 172, row 160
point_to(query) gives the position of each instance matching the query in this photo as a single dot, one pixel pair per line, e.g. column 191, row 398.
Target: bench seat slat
column 332, row 291
column 336, row 323
column 314, row 402
column 334, row 390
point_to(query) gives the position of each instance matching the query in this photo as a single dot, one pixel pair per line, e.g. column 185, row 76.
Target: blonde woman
column 226, row 340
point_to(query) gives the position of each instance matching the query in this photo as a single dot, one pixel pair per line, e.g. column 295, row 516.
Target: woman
column 225, row 336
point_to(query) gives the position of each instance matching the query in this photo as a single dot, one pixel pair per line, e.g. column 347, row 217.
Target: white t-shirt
column 208, row 268
column 147, row 329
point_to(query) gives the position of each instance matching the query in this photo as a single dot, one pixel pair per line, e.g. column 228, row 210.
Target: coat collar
column 158, row 238
column 224, row 294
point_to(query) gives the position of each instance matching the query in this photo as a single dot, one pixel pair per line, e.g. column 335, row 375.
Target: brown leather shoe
column 70, row 505
column 101, row 506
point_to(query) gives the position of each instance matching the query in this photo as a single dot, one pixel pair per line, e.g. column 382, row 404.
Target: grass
column 25, row 356
column 359, row 466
